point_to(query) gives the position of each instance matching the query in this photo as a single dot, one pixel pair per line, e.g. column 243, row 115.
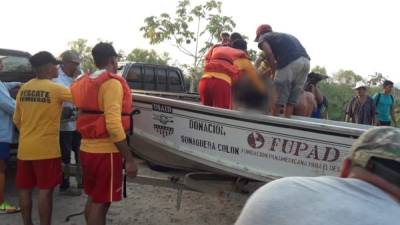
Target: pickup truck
column 16, row 66
column 140, row 76
column 150, row 77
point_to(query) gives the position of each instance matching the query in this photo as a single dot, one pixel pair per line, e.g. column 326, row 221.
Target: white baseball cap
column 359, row 85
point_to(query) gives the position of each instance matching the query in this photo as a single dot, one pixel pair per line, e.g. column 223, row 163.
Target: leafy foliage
column 148, row 56
column 198, row 25
column 376, row 79
column 347, row 77
column 320, row 70
column 85, row 52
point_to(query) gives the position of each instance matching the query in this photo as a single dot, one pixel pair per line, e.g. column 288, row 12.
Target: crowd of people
column 45, row 114
column 379, row 110
column 278, row 82
column 63, row 111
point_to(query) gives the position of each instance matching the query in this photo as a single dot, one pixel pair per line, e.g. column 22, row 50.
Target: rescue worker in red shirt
column 225, row 41
column 222, row 68
column 105, row 103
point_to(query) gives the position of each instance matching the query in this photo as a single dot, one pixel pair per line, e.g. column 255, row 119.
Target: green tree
column 376, row 79
column 347, row 77
column 85, row 51
column 320, row 70
column 200, row 25
column 148, row 56
column 338, row 95
column 122, row 55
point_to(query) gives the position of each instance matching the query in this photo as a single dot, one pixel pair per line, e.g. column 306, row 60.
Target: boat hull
column 193, row 137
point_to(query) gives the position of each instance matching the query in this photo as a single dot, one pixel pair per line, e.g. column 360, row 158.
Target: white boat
column 189, row 136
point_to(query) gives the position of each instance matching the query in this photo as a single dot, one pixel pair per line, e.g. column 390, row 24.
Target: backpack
column 379, row 97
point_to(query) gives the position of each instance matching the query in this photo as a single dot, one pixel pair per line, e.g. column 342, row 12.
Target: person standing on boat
column 224, row 41
column 367, row 191
column 245, row 96
column 222, row 69
column 289, row 62
column 385, row 105
column 311, row 85
column 361, row 108
column 105, row 103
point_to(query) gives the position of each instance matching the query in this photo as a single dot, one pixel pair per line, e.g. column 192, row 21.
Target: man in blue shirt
column 7, row 107
column 289, row 64
column 69, row 137
column 385, row 105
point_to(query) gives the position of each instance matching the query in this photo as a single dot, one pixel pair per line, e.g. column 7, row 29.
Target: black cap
column 42, row 58
column 102, row 52
column 104, row 49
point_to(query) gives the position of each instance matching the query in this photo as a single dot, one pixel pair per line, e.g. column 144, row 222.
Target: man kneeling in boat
column 223, row 68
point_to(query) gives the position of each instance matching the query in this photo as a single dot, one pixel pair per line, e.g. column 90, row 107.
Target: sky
column 357, row 35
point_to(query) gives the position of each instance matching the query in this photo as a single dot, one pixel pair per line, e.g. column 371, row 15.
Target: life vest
column 91, row 120
column 210, row 51
column 222, row 59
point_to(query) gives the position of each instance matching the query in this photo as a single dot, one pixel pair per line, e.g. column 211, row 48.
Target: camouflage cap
column 379, row 142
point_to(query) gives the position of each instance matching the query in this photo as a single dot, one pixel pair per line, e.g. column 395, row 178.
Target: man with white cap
column 367, row 191
column 361, row 108
column 69, row 137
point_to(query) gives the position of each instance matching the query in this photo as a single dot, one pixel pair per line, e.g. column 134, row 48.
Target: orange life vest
column 91, row 120
column 221, row 61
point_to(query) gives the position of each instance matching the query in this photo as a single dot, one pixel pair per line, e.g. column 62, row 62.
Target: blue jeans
column 4, row 151
column 70, row 141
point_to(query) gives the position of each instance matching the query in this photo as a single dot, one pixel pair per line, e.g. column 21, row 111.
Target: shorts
column 43, row 174
column 215, row 92
column 102, row 176
column 4, row 151
column 289, row 81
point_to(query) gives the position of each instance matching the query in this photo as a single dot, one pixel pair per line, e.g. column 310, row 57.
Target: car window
column 149, row 81
column 134, row 78
column 161, row 75
column 174, row 82
column 15, row 64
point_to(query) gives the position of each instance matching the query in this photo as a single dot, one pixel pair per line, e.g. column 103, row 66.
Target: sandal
column 5, row 207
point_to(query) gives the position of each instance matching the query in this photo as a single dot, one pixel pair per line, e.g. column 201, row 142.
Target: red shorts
column 215, row 92
column 43, row 174
column 102, row 176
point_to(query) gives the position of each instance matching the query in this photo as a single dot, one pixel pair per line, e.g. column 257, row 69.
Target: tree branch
column 183, row 50
column 210, row 39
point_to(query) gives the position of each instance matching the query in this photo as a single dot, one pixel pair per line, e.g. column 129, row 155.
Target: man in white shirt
column 366, row 193
column 69, row 137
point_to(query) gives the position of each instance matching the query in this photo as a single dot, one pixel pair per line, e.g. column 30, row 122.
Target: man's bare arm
column 269, row 55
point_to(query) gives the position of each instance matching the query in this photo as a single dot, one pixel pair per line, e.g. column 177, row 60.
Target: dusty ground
column 145, row 205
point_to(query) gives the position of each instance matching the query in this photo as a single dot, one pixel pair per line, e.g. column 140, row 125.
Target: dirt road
column 145, row 205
